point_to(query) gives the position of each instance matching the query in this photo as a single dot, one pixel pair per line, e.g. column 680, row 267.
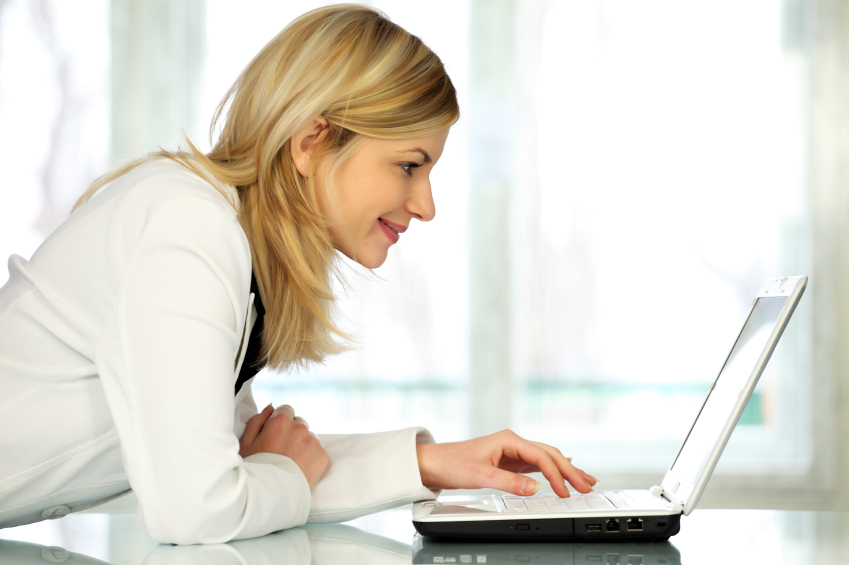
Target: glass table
column 707, row 536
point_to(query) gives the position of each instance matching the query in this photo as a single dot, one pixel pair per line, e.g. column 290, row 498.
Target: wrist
column 423, row 455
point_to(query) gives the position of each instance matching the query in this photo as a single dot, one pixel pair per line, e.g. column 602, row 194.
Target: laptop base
column 657, row 528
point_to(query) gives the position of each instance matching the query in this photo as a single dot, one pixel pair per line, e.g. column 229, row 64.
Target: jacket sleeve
column 166, row 361
column 369, row 473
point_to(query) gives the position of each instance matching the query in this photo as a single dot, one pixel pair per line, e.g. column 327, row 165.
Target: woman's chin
column 373, row 258
column 368, row 258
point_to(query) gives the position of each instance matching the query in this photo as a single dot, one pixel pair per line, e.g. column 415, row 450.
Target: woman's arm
column 369, row 473
column 167, row 364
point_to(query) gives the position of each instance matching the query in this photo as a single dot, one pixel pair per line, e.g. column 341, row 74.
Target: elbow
column 186, row 524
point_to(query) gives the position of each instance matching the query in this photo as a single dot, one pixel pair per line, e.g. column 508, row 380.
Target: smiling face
column 377, row 192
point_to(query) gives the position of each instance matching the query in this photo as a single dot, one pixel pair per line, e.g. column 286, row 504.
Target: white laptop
column 633, row 514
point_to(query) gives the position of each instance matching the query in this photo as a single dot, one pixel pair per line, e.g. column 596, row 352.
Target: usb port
column 635, row 524
column 593, row 527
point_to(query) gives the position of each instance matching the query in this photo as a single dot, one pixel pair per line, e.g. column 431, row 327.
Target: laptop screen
column 731, row 381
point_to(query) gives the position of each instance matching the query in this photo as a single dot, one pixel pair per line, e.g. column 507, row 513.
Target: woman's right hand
column 280, row 431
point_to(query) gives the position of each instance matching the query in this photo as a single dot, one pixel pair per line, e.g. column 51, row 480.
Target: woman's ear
column 306, row 141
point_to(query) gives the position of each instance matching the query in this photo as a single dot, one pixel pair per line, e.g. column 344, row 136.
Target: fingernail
column 530, row 486
column 270, row 405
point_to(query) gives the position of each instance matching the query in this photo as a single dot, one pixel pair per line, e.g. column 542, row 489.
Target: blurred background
column 624, row 177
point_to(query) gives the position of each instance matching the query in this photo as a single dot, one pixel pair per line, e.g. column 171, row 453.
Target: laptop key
column 514, row 504
column 556, row 504
column 577, row 505
column 536, row 504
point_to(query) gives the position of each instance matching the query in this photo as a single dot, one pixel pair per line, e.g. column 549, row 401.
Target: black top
column 252, row 363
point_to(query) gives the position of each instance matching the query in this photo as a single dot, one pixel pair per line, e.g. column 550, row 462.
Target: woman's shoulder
column 162, row 183
column 160, row 200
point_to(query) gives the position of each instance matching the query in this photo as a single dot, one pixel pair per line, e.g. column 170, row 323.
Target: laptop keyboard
column 551, row 503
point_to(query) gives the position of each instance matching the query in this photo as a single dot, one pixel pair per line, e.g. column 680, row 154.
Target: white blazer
column 120, row 343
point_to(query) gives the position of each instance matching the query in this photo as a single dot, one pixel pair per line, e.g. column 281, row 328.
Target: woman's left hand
column 495, row 461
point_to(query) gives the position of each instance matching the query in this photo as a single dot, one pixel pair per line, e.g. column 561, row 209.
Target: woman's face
column 377, row 192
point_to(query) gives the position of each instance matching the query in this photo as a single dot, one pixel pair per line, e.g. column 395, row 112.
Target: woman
column 123, row 338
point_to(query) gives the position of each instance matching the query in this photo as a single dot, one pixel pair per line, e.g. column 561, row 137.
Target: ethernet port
column 612, row 525
column 635, row 525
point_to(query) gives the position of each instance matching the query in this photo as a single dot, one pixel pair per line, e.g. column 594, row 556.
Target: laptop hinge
column 674, row 505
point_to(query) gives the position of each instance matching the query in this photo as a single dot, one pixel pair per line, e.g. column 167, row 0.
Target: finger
column 300, row 420
column 513, row 483
column 576, row 477
column 255, row 425
column 535, row 455
column 286, row 410
column 589, row 478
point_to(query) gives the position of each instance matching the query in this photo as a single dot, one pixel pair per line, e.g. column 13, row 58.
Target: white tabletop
column 707, row 536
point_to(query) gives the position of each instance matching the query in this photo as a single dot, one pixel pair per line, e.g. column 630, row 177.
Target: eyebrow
column 427, row 158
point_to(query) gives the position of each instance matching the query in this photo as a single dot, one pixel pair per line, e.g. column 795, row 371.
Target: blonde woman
column 125, row 337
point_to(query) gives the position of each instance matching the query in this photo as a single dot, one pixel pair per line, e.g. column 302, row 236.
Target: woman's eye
column 408, row 167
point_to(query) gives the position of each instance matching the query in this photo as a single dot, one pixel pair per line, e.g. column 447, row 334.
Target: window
column 623, row 178
column 667, row 183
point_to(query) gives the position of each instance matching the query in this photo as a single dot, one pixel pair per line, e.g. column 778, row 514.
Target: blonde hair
column 368, row 77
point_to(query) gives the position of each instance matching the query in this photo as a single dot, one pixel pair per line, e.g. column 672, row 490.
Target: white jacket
column 120, row 343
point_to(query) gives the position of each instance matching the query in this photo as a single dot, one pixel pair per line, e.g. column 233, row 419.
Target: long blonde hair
column 368, row 77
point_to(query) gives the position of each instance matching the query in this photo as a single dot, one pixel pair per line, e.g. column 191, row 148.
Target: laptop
column 654, row 513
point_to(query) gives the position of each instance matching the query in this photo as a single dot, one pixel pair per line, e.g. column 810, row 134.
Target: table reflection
column 708, row 537
column 429, row 550
column 340, row 544
column 24, row 553
column 307, row 545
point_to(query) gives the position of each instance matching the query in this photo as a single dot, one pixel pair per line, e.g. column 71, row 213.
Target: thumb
column 255, row 425
column 513, row 483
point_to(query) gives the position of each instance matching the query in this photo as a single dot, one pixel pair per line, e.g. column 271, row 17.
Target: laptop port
column 635, row 524
column 612, row 525
column 661, row 524
column 612, row 559
column 593, row 527
column 635, row 560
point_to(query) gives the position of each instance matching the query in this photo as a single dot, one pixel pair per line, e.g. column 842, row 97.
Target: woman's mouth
column 389, row 230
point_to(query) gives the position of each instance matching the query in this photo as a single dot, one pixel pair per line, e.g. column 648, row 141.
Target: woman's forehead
column 428, row 147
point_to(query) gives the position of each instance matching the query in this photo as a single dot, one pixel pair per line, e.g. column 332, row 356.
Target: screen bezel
column 678, row 489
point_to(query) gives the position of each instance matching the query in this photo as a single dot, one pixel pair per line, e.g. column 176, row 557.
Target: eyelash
column 408, row 168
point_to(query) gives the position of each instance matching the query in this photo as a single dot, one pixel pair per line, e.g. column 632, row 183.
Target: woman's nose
column 420, row 204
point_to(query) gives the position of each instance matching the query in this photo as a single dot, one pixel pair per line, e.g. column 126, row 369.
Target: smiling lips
column 391, row 229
